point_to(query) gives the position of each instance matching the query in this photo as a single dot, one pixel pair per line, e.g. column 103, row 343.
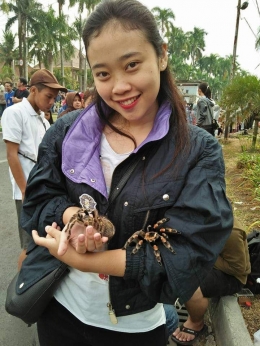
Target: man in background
column 9, row 93
column 21, row 90
column 2, row 99
column 24, row 126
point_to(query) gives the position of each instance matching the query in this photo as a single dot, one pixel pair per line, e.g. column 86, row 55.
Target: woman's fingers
column 64, row 242
column 81, row 247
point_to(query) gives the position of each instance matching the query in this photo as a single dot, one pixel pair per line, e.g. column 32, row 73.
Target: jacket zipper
column 111, row 311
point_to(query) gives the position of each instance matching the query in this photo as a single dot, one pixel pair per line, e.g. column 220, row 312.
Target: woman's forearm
column 110, row 262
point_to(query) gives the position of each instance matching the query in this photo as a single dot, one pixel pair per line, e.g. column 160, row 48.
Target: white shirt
column 22, row 125
column 86, row 295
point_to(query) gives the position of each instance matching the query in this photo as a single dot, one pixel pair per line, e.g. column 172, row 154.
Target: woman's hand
column 107, row 262
column 52, row 239
column 82, row 238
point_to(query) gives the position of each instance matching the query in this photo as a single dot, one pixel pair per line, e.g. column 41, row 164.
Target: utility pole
column 239, row 7
column 235, row 41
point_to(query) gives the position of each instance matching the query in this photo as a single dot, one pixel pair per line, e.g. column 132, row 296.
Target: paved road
column 13, row 332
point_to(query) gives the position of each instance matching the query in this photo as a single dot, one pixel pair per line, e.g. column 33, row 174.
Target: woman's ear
column 164, row 57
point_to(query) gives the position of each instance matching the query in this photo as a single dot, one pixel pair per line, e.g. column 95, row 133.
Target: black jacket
column 191, row 193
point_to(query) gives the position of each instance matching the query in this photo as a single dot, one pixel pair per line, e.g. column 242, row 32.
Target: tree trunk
column 255, row 131
column 20, row 42
column 61, row 51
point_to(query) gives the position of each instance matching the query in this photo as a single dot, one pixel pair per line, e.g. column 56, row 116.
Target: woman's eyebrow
column 122, row 58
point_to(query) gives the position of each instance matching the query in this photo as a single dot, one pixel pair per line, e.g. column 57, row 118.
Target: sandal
column 196, row 334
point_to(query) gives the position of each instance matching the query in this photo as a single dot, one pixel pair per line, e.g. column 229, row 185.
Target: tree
column 79, row 26
column 8, row 51
column 26, row 14
column 196, row 44
column 164, row 19
column 47, row 40
column 242, row 95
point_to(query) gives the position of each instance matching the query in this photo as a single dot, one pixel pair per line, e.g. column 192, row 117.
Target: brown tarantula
column 91, row 218
column 151, row 235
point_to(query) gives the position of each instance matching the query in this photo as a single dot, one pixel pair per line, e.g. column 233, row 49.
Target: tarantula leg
column 169, row 230
column 161, row 222
column 134, row 238
column 137, row 247
column 157, row 254
column 167, row 244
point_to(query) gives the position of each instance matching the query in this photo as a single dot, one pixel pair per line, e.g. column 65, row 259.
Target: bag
column 29, row 305
column 253, row 239
column 215, row 125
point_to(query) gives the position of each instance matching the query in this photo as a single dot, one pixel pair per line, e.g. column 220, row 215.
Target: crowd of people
column 128, row 151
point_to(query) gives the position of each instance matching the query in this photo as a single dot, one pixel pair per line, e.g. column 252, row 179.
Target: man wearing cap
column 24, row 126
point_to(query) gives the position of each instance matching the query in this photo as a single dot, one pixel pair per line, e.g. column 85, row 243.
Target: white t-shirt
column 22, row 125
column 86, row 295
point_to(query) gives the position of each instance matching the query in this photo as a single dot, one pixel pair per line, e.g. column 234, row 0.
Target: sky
column 216, row 17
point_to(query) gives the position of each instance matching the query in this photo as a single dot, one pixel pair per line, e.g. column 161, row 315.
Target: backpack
column 253, row 240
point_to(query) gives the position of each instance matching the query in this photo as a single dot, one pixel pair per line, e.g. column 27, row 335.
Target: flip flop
column 196, row 334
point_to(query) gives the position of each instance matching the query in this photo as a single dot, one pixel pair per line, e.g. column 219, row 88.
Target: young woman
column 205, row 104
column 113, row 297
column 73, row 101
column 48, row 116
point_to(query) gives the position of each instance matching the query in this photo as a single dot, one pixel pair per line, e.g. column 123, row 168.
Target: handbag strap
column 122, row 182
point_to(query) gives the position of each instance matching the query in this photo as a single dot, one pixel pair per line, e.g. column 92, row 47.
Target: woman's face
column 200, row 92
column 77, row 103
column 126, row 72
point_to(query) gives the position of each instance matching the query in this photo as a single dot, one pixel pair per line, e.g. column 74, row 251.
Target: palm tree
column 26, row 14
column 79, row 26
column 8, row 51
column 164, row 19
column 196, row 44
column 61, row 3
column 48, row 39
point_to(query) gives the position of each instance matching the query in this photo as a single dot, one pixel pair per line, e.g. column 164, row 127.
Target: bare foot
column 182, row 336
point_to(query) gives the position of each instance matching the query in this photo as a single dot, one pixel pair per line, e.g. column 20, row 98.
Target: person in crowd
column 21, row 90
column 48, row 116
column 9, row 93
column 134, row 143
column 205, row 104
column 88, row 97
column 73, row 101
column 188, row 112
column 228, row 277
column 220, row 130
column 24, row 126
column 2, row 99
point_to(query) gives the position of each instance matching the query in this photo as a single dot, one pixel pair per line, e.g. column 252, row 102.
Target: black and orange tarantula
column 91, row 218
column 151, row 235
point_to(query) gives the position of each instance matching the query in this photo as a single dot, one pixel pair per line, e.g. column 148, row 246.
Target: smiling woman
column 129, row 157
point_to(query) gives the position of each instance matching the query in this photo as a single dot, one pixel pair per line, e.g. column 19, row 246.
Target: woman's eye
column 102, row 74
column 132, row 65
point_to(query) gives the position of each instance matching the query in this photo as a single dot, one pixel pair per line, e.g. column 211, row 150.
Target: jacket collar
column 81, row 146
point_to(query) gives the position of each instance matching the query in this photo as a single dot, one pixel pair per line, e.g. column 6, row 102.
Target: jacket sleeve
column 201, row 112
column 203, row 215
column 46, row 197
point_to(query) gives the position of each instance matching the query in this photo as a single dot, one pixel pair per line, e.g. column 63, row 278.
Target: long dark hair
column 204, row 87
column 132, row 15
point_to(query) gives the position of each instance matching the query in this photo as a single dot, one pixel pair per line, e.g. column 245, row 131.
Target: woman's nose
column 121, row 85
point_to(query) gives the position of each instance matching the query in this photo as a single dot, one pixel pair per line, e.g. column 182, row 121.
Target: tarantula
column 91, row 218
column 151, row 235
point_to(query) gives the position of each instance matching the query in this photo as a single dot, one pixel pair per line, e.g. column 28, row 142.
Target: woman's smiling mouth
column 129, row 103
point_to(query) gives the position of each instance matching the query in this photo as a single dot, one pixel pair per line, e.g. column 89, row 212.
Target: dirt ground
column 247, row 210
